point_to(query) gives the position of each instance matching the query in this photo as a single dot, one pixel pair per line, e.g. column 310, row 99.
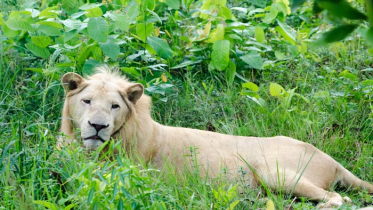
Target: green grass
column 33, row 174
column 33, row 171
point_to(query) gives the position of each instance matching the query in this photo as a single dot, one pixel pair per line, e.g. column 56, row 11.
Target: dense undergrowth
column 237, row 67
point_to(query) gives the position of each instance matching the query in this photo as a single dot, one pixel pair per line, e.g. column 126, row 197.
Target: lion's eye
column 87, row 101
column 115, row 106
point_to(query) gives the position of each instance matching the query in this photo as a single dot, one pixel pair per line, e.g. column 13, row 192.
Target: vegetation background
column 242, row 67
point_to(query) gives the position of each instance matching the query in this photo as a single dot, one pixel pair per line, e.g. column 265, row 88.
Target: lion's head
column 98, row 106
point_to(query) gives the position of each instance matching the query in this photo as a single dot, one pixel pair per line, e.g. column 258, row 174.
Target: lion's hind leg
column 302, row 187
column 305, row 188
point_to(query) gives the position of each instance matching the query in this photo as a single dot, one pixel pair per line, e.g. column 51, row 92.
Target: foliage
column 238, row 67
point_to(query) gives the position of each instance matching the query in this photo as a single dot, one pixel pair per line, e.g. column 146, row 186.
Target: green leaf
column 259, row 35
column 217, row 34
column 150, row 4
column 50, row 28
column 233, row 204
column 98, row 29
column 110, row 48
column 369, row 36
column 348, row 75
column 49, row 12
column 94, row 12
column 69, row 206
column 122, row 22
column 133, row 11
column 254, row 59
column 38, row 51
column 205, row 7
column 220, row 54
column 250, row 85
column 83, row 54
column 160, row 46
column 130, row 71
column 296, row 4
column 1, row 19
column 69, row 35
column 15, row 24
column 271, row 16
column 41, row 41
column 230, row 72
column 90, row 195
column 89, row 66
column 276, row 90
column 72, row 24
column 285, row 32
column 174, row 4
column 270, row 205
column 143, row 31
column 225, row 13
column 46, row 204
column 68, row 5
column 280, row 55
column 9, row 32
column 341, row 9
column 322, row 94
column 336, row 34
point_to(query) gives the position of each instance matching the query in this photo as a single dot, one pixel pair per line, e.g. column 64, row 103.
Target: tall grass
column 34, row 175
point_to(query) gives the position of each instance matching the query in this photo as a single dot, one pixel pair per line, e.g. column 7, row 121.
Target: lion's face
column 99, row 106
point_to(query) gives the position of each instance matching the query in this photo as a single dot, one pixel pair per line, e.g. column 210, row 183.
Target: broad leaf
column 69, row 35
column 89, row 66
column 72, row 24
column 68, row 5
column 225, row 13
column 133, row 11
column 94, row 12
column 217, row 34
column 38, row 51
column 230, row 72
column 10, row 32
column 41, row 41
column 150, row 4
column 271, row 16
column 259, row 34
column 297, row 3
column 369, row 36
column 160, row 46
column 341, row 9
column 111, row 49
column 122, row 22
column 285, row 32
column 174, row 4
column 50, row 28
column 46, row 204
column 250, row 85
column 143, row 31
column 220, row 54
column 348, row 75
column 276, row 90
column 15, row 24
column 336, row 34
column 254, row 59
column 98, row 29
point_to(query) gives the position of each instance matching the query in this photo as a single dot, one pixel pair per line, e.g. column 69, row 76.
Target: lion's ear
column 134, row 92
column 71, row 81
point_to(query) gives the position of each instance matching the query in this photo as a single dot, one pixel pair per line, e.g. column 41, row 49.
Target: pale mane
column 138, row 125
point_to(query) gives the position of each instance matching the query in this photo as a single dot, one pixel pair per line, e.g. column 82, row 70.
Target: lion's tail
column 351, row 181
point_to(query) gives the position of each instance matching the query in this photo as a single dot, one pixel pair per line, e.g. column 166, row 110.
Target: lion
column 106, row 106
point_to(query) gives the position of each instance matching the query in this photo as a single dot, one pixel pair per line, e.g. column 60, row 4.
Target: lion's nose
column 98, row 127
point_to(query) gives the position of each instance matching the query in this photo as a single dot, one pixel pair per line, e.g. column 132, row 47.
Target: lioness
column 106, row 105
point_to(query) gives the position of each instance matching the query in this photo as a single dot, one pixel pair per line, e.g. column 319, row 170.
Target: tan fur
column 282, row 163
